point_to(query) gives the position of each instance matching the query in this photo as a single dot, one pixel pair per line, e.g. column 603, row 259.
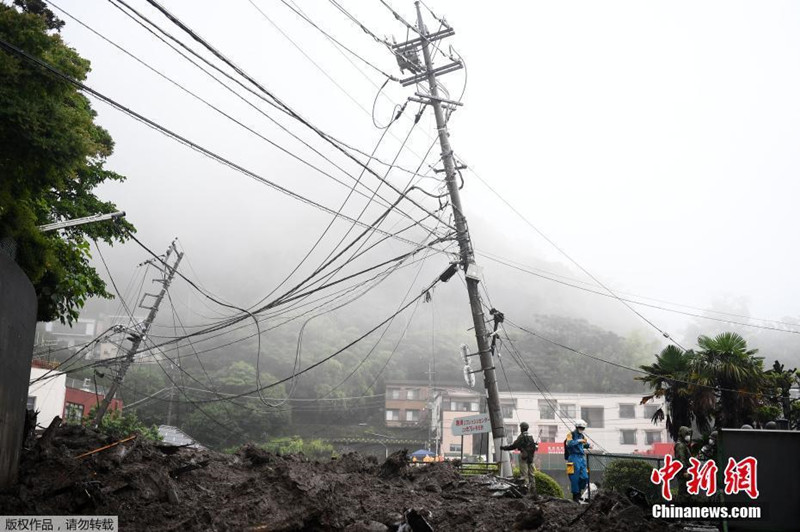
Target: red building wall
column 88, row 399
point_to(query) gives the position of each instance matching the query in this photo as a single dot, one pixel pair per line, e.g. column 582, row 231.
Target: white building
column 617, row 423
column 47, row 396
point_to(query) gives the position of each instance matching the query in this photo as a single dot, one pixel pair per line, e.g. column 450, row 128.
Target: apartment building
column 617, row 423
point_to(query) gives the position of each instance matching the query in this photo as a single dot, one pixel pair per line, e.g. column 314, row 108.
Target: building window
column 511, row 433
column 650, row 410
column 31, row 402
column 567, row 410
column 412, row 394
column 395, row 393
column 548, row 433
column 627, row 437
column 73, row 413
column 627, row 411
column 508, row 411
column 463, row 406
column 652, row 436
column 546, row 409
column 412, row 415
column 392, row 414
column 593, row 416
column 455, row 447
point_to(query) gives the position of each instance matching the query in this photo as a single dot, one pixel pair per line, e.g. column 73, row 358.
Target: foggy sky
column 656, row 143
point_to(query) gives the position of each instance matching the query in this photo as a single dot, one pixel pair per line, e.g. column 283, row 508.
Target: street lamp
column 385, row 447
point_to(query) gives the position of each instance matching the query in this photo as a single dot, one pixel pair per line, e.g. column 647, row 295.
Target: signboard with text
column 475, row 424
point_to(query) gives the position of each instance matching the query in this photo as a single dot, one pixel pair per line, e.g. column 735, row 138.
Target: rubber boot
column 576, row 497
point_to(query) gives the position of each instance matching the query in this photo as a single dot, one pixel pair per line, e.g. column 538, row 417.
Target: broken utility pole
column 462, row 232
column 139, row 335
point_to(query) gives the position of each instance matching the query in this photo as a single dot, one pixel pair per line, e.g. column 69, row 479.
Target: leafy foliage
column 119, row 425
column 623, row 474
column 722, row 383
column 51, row 158
column 726, row 363
column 546, row 485
column 314, row 448
column 667, row 377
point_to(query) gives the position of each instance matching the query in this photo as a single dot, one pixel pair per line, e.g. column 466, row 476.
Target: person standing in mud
column 682, row 454
column 575, row 452
column 526, row 446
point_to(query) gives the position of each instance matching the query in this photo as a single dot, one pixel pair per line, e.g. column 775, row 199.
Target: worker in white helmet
column 575, row 453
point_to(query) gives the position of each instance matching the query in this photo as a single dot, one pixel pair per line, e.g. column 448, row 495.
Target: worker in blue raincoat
column 575, row 452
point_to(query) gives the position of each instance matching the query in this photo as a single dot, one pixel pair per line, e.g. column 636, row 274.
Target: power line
column 245, row 100
column 341, row 46
column 551, row 402
column 650, row 305
column 328, row 227
column 628, row 368
column 380, row 278
column 339, row 351
column 576, row 263
column 305, row 54
column 175, row 20
column 204, row 151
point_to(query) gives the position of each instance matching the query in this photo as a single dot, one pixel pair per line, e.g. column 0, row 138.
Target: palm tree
column 668, row 378
column 731, row 376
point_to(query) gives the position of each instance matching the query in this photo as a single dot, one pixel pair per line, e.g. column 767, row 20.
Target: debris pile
column 150, row 486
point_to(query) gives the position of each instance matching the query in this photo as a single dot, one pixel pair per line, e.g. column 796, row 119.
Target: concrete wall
column 17, row 332
column 777, row 475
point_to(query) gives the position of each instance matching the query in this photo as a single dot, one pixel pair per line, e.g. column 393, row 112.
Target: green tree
column 668, row 378
column 226, row 423
column 723, row 382
column 623, row 474
column 732, row 377
column 119, row 425
column 777, row 384
column 52, row 157
column 312, row 448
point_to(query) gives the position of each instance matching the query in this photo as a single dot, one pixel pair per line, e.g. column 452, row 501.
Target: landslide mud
column 156, row 487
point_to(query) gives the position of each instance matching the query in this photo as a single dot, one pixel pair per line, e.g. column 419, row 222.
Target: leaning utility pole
column 138, row 336
column 407, row 50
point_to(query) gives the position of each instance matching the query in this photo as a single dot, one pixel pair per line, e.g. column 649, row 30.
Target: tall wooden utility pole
column 433, row 98
column 138, row 336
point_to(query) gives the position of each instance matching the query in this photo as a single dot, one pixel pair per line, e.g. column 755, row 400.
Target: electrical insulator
column 469, row 377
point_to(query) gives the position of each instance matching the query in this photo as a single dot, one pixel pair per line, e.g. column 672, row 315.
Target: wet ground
column 156, row 487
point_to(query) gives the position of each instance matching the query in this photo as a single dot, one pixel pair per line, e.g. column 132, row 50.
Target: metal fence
column 468, row 469
column 597, row 464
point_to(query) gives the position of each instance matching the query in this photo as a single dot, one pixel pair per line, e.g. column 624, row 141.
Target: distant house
column 46, row 392
column 81, row 397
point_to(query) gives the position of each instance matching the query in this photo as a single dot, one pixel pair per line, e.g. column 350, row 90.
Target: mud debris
column 152, row 487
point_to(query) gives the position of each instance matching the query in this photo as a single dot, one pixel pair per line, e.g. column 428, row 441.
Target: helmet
column 580, row 424
column 523, row 426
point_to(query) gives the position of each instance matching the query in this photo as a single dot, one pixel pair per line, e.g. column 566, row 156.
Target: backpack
column 530, row 446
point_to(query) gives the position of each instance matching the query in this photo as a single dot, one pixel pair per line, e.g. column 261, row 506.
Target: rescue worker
column 682, row 454
column 575, row 452
column 526, row 446
column 709, row 450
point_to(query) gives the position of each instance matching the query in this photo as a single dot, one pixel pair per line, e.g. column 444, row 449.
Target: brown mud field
column 158, row 487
